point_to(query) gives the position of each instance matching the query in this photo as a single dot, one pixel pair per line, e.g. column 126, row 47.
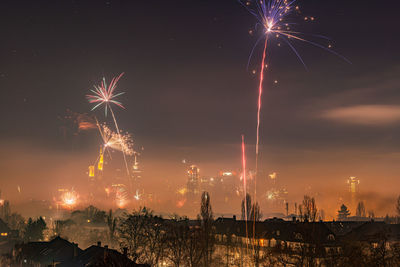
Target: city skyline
column 189, row 97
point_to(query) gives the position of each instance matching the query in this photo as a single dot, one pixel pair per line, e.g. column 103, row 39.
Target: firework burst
column 116, row 141
column 273, row 17
column 104, row 94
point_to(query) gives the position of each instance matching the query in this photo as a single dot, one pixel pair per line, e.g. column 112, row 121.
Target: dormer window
column 298, row 236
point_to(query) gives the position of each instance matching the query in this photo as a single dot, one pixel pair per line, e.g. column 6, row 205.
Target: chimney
column 293, row 219
column 75, row 250
column 106, row 246
column 99, row 243
column 234, row 217
column 126, row 252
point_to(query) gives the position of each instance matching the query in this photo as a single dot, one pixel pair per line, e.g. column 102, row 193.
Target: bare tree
column 207, row 218
column 321, row 215
column 132, row 234
column 360, row 211
column 398, row 206
column 287, row 208
column 155, row 234
column 371, row 214
column 246, row 207
column 194, row 248
column 255, row 213
column 309, row 209
column 112, row 226
column 177, row 238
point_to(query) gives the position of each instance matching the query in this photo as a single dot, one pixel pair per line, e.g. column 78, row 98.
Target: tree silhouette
column 112, row 226
column 207, row 218
column 398, row 206
column 308, row 210
column 343, row 213
column 34, row 230
column 360, row 212
column 246, row 207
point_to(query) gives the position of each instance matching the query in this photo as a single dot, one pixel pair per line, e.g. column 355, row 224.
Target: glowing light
column 181, row 203
column 91, row 171
column 116, row 141
column 104, row 95
column 121, row 195
column 101, row 161
column 69, row 198
column 182, row 191
column 137, row 195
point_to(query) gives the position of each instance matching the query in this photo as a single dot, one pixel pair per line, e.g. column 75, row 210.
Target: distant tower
column 101, row 160
column 353, row 185
column 91, row 171
column 353, row 189
column 193, row 180
column 136, row 170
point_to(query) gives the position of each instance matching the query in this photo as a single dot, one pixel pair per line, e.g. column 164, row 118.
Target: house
column 50, row 253
column 62, row 253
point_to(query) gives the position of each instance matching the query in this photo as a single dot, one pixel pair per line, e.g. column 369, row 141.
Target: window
column 298, row 236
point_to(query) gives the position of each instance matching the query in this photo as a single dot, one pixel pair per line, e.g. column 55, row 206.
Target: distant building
column 60, row 252
column 353, row 185
column 193, row 183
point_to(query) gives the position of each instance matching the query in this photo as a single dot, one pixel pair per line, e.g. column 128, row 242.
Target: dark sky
column 189, row 94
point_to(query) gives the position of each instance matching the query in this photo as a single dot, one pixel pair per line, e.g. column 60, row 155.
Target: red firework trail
column 244, row 184
column 259, row 104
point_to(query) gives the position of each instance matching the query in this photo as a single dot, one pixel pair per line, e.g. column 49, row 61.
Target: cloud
column 370, row 115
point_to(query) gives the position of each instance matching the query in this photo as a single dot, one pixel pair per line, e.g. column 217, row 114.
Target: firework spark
column 121, row 195
column 115, row 141
column 273, row 17
column 69, row 198
column 104, row 94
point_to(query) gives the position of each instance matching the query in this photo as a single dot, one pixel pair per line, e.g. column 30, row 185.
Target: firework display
column 112, row 140
column 273, row 17
column 105, row 95
column 116, row 141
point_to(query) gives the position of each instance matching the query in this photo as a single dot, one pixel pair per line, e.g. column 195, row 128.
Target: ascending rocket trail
column 273, row 18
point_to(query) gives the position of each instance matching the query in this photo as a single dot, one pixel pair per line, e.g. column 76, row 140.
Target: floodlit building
column 193, row 187
column 91, row 171
column 353, row 185
column 101, row 161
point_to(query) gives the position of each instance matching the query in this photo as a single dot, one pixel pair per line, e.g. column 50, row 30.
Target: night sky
column 189, row 94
